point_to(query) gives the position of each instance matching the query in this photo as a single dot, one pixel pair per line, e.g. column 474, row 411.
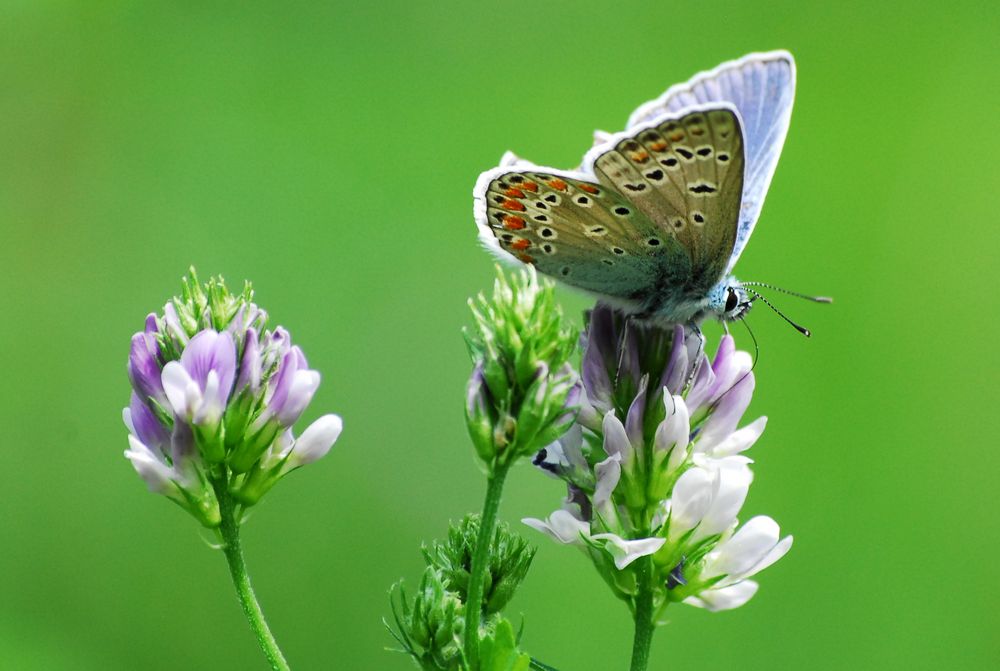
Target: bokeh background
column 327, row 151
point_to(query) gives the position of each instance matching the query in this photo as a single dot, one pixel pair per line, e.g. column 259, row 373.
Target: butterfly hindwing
column 762, row 89
column 578, row 231
column 684, row 172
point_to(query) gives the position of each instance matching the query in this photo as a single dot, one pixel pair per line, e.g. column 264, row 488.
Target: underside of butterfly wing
column 579, row 232
column 684, row 172
column 761, row 86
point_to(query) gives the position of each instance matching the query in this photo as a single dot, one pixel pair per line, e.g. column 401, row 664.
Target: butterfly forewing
column 685, row 174
column 580, row 232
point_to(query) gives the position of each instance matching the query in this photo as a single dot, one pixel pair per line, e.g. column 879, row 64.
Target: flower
column 726, row 569
column 654, row 465
column 523, row 393
column 213, row 388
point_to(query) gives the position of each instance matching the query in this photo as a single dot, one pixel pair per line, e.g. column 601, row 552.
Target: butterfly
column 657, row 215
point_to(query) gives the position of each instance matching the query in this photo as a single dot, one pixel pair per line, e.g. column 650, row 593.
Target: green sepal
column 248, row 452
column 211, row 442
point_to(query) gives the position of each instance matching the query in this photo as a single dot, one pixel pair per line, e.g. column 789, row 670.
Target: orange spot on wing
column 513, row 205
column 521, row 244
column 588, row 188
column 514, row 192
column 526, row 258
column 530, row 186
column 658, row 146
column 513, row 223
column 640, row 157
column 557, row 184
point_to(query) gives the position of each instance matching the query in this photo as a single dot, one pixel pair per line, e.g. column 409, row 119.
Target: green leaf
column 498, row 651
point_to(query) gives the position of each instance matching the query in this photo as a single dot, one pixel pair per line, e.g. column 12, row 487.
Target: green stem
column 487, row 523
column 230, row 530
column 643, row 614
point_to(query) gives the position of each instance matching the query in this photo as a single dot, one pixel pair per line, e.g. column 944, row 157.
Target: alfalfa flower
column 214, row 390
column 656, row 472
column 215, row 396
column 523, row 391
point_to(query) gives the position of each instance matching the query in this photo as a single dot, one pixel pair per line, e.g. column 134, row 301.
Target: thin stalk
column 643, row 615
column 230, row 530
column 487, row 523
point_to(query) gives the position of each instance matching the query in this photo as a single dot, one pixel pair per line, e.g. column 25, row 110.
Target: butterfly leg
column 696, row 332
column 621, row 348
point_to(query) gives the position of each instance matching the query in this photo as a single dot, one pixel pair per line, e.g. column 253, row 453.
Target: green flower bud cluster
column 509, row 560
column 430, row 625
column 523, row 392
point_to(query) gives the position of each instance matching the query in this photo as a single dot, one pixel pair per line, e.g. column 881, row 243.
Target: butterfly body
column 657, row 215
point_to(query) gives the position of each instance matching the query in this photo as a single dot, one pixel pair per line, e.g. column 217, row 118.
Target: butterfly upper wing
column 576, row 230
column 684, row 171
column 762, row 88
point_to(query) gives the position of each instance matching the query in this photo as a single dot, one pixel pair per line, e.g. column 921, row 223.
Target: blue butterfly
column 657, row 215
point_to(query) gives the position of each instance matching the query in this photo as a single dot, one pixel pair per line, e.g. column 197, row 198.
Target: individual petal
column 143, row 366
column 282, row 385
column 779, row 550
column 180, row 388
column 678, row 370
column 739, row 553
column 702, row 383
column 300, row 394
column 212, row 351
column 728, row 412
column 673, row 433
column 608, row 474
column 736, row 442
column 210, row 410
column 561, row 526
column 636, row 414
column 590, row 415
column 724, row 598
column 144, row 425
column 624, row 552
column 750, row 550
column 316, row 440
column 730, row 491
column 158, row 476
column 615, row 439
column 250, row 366
column 690, row 500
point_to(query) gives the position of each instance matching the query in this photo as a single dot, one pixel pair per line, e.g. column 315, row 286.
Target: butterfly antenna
column 801, row 329
column 756, row 347
column 815, row 299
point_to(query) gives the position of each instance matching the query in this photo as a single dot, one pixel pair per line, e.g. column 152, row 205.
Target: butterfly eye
column 732, row 300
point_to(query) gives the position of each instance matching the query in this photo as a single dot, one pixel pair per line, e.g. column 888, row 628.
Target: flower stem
column 643, row 615
column 487, row 523
column 230, row 530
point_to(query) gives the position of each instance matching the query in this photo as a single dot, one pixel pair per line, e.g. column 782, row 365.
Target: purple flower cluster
column 215, row 394
column 655, row 467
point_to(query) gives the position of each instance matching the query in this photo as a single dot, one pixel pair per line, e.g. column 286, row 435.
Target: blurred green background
column 327, row 151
